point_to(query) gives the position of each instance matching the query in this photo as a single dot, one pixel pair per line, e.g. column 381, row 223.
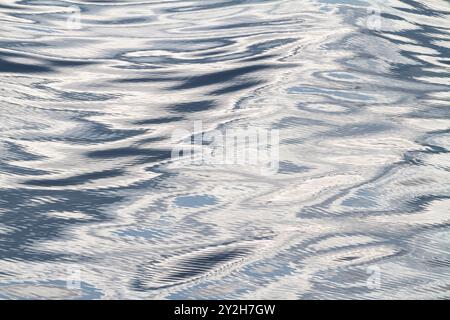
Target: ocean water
column 94, row 205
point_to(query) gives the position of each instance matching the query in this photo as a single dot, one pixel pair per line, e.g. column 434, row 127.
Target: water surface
column 93, row 206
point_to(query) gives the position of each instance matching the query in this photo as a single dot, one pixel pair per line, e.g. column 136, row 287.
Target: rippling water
column 93, row 206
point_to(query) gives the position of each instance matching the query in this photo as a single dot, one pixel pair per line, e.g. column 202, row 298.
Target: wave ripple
column 92, row 205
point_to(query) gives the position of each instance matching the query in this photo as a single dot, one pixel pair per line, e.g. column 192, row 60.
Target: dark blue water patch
column 32, row 224
column 210, row 53
column 75, row 180
column 421, row 9
column 15, row 67
column 259, row 58
column 195, row 266
column 220, row 76
column 126, row 22
column 71, row 62
column 195, row 201
column 154, row 154
column 423, row 35
column 162, row 120
column 194, row 106
column 432, row 149
column 42, row 64
column 151, row 140
column 286, row 167
column 184, row 269
column 410, row 72
column 16, row 152
column 20, row 171
column 8, row 6
column 149, row 78
column 237, row 87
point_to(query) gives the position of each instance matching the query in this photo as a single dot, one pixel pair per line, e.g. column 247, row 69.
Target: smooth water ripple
column 89, row 191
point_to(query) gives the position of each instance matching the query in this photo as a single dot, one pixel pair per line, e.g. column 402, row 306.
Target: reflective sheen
column 93, row 206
